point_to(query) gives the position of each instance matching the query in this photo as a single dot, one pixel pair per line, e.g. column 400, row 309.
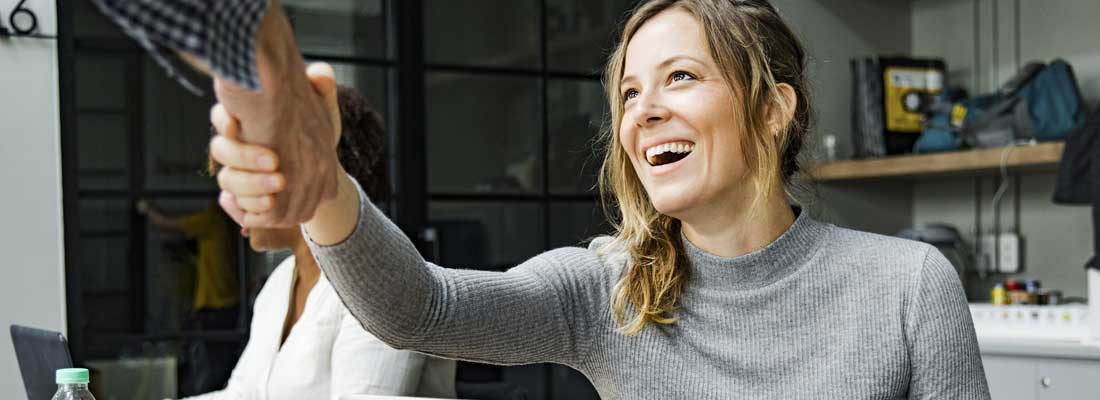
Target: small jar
column 998, row 295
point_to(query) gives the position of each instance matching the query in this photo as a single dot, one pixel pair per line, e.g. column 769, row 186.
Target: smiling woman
column 712, row 285
column 701, row 108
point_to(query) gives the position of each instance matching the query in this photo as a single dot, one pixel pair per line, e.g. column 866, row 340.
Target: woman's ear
column 786, row 102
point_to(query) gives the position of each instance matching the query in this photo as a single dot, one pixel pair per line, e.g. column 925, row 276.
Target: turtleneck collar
column 760, row 268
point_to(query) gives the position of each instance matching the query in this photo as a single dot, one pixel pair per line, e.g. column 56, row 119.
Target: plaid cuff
column 221, row 33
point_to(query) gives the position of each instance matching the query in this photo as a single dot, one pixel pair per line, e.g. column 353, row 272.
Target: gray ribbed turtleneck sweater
column 821, row 313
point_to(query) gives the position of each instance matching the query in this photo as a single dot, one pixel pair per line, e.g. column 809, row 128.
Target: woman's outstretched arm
column 536, row 312
column 533, row 313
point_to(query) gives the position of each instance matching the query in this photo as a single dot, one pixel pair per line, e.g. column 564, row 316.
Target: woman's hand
column 251, row 179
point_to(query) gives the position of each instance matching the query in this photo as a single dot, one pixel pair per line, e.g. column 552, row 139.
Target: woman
column 304, row 344
column 712, row 286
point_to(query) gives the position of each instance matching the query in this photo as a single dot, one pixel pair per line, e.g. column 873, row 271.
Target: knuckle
column 216, row 147
column 223, row 177
column 224, row 201
column 216, row 112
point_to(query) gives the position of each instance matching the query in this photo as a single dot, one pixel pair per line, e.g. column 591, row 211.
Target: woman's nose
column 652, row 111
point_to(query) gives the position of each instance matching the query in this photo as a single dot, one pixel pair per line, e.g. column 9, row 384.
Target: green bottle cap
column 72, row 375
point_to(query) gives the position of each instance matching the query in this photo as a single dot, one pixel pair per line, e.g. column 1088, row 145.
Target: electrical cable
column 999, row 194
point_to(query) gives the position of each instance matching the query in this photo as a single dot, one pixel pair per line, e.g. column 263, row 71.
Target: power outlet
column 1010, row 253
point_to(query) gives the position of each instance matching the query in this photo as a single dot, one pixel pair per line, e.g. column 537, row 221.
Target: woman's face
column 678, row 126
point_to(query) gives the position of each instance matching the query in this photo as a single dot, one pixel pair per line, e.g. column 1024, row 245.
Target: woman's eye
column 681, row 75
column 630, row 94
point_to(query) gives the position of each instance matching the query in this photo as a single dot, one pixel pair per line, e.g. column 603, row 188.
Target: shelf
column 1029, row 158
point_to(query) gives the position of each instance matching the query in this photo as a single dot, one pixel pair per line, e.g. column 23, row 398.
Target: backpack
column 1053, row 102
column 1041, row 102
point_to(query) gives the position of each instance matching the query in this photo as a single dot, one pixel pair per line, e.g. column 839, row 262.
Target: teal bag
column 1041, row 102
column 1053, row 102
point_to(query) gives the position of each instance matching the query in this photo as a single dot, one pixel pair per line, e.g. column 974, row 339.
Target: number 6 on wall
column 19, row 29
column 19, row 10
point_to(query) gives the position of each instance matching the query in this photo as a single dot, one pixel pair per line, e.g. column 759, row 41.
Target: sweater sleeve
column 943, row 348
column 532, row 313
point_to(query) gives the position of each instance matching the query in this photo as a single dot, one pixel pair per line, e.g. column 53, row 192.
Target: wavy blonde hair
column 755, row 51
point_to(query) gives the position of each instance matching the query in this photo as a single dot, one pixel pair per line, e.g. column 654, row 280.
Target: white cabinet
column 1068, row 379
column 1038, row 378
column 1011, row 378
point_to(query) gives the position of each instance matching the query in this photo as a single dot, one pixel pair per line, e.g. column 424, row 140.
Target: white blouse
column 326, row 355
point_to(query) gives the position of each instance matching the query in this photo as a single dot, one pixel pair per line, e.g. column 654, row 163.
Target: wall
column 30, row 173
column 978, row 39
column 834, row 32
column 983, row 42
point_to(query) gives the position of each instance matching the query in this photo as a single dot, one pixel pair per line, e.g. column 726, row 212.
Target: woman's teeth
column 668, row 153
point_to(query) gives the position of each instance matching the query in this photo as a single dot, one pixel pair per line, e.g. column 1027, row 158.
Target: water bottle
column 72, row 384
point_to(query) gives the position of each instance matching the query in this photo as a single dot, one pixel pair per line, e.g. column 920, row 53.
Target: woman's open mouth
column 668, row 153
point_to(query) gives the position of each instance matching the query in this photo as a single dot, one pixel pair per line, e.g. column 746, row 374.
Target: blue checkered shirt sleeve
column 221, row 33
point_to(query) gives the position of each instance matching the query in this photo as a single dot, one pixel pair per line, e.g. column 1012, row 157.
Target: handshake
column 277, row 147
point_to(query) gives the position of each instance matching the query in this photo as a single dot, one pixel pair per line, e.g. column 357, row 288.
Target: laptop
column 40, row 354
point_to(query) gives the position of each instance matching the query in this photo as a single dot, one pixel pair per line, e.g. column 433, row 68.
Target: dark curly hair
column 362, row 144
column 362, row 148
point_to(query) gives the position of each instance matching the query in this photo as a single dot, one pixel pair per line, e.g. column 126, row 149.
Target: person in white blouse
column 304, row 344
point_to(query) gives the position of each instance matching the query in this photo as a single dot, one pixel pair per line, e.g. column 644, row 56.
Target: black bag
column 1079, row 175
column 1079, row 169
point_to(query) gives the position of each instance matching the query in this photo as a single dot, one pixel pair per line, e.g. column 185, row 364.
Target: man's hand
column 283, row 188
column 253, row 179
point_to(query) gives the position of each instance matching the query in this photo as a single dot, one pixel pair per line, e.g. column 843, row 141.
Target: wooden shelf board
column 1040, row 157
